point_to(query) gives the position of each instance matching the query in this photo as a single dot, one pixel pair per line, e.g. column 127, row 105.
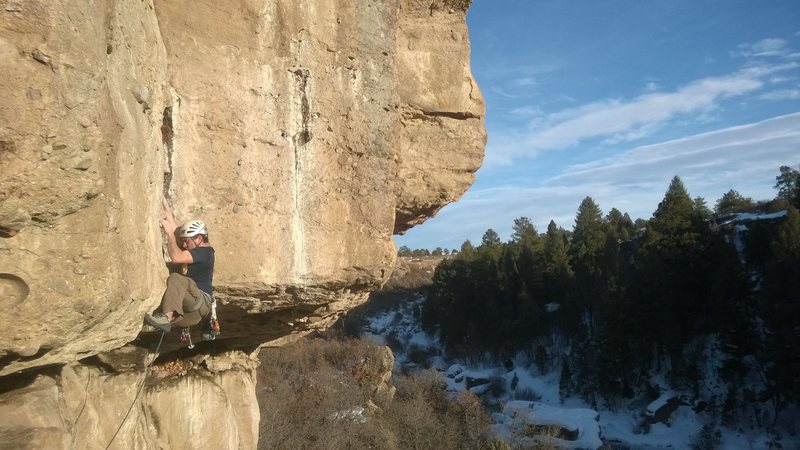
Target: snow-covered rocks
column 660, row 409
column 574, row 428
column 454, row 370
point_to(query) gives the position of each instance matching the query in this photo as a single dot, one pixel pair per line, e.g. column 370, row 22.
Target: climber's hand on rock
column 167, row 227
column 168, row 216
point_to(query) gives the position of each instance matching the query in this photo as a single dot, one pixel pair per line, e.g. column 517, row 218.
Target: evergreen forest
column 612, row 301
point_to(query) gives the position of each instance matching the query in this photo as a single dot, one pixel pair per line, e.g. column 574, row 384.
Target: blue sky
column 612, row 99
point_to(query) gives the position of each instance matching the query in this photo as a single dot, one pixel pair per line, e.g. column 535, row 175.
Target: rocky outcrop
column 305, row 134
column 441, row 134
column 196, row 403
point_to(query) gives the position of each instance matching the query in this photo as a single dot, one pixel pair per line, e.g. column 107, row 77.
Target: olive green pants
column 181, row 296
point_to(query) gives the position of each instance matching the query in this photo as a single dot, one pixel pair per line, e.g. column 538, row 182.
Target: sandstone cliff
column 305, row 133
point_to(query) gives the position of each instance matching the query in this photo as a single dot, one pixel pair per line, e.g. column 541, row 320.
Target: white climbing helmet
column 193, row 228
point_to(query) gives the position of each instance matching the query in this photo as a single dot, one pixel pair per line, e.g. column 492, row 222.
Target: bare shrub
column 528, row 395
column 310, row 392
column 536, row 437
column 498, row 444
column 423, row 416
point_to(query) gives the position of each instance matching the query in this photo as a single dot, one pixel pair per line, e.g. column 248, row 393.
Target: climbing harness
column 211, row 329
column 141, row 386
column 214, row 321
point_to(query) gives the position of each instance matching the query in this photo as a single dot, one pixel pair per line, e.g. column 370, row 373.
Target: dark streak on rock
column 304, row 136
column 167, row 136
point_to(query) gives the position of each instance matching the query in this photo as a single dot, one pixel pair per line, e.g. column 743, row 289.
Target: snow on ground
column 660, row 402
column 622, row 426
column 749, row 217
column 524, row 389
column 544, row 385
column 402, row 326
column 580, row 423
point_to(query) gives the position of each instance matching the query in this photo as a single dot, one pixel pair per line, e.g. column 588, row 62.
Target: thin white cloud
column 651, row 86
column 523, row 82
column 633, row 134
column 501, row 70
column 781, row 94
column 778, row 79
column 777, row 139
column 765, row 48
column 619, row 121
column 509, row 93
column 527, row 111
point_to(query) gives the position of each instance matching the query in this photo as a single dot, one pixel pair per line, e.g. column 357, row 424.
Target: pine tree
column 674, row 221
column 788, row 185
column 671, row 272
column 733, row 202
column 586, row 249
column 454, row 298
column 589, row 232
column 557, row 273
column 555, row 251
column 490, row 238
column 701, row 207
column 525, row 233
column 467, row 250
column 620, row 225
column 491, row 245
column 526, row 251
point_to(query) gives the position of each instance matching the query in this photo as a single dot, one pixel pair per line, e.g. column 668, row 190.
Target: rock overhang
column 305, row 135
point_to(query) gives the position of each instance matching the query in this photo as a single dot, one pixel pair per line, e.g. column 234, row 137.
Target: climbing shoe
column 159, row 321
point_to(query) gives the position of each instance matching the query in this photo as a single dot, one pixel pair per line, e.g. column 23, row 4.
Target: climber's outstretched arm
column 168, row 216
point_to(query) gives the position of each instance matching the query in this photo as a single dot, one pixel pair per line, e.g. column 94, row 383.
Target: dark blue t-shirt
column 202, row 269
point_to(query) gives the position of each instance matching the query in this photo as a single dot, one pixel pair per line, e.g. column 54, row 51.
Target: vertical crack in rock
column 167, row 134
column 301, row 115
column 301, row 83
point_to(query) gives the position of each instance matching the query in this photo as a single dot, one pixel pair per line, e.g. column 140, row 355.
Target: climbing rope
column 141, row 386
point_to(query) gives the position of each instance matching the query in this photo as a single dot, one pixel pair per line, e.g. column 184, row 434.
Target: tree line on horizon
column 630, row 297
column 405, row 251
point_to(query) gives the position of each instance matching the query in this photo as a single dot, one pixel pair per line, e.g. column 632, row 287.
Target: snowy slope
column 520, row 397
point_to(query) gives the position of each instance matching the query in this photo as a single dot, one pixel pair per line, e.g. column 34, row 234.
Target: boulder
column 90, row 404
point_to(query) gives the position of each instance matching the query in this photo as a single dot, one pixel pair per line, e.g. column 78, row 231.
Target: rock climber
column 188, row 297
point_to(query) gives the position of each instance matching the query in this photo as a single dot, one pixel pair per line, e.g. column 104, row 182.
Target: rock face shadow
column 13, row 290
